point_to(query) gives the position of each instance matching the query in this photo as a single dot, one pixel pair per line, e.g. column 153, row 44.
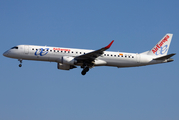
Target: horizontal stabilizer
column 165, row 57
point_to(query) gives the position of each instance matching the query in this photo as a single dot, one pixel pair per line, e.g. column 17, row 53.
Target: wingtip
column 108, row 46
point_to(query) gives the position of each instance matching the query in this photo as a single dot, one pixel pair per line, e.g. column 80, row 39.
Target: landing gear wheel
column 86, row 69
column 20, row 60
column 20, row 65
column 83, row 72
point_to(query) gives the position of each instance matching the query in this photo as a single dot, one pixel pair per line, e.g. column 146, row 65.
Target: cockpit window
column 14, row 47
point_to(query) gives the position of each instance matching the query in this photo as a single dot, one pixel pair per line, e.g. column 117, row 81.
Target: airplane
column 69, row 58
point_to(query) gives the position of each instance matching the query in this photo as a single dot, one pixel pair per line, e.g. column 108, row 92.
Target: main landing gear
column 20, row 60
column 86, row 66
column 85, row 69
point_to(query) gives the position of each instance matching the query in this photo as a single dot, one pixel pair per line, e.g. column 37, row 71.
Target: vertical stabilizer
column 162, row 47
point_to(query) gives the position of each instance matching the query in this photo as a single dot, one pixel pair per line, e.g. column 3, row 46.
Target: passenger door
column 26, row 49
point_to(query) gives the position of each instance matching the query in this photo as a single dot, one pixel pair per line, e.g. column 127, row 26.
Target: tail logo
column 162, row 50
column 159, row 49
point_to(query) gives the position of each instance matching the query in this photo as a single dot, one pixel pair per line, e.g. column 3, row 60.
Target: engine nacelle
column 98, row 62
column 63, row 66
column 68, row 60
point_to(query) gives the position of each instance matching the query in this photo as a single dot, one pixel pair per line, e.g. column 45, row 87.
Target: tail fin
column 162, row 47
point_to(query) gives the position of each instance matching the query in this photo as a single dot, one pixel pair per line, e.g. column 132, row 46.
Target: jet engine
column 66, row 63
column 68, row 60
column 65, row 66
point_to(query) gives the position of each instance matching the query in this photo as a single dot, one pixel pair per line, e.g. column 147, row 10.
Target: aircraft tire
column 86, row 69
column 83, row 72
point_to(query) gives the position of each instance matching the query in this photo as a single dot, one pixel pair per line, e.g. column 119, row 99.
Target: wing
column 94, row 54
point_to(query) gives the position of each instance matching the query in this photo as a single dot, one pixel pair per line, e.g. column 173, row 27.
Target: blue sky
column 40, row 91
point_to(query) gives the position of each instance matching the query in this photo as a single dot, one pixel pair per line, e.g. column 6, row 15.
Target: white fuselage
column 69, row 58
column 55, row 54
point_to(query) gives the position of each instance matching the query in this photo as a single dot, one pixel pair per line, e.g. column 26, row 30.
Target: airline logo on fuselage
column 41, row 51
column 163, row 49
column 61, row 49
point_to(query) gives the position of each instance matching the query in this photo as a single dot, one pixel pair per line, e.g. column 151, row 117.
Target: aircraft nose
column 5, row 54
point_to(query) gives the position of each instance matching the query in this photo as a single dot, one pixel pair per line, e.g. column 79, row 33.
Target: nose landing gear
column 20, row 60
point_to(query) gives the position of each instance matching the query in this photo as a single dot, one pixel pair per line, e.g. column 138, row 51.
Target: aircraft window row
column 129, row 56
column 59, row 51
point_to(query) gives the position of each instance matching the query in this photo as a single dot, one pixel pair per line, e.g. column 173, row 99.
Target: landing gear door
column 26, row 49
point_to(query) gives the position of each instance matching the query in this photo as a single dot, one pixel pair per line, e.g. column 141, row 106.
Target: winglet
column 107, row 47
